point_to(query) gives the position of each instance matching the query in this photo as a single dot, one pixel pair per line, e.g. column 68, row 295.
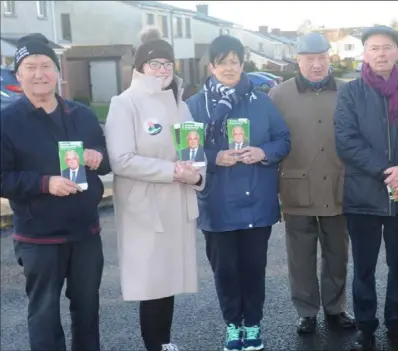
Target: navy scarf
column 220, row 100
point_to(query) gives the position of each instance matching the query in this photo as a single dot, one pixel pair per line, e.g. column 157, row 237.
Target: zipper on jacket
column 389, row 148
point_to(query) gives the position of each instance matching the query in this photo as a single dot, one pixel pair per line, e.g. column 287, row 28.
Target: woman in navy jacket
column 240, row 203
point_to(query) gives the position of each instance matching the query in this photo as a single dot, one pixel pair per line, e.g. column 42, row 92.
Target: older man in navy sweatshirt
column 56, row 223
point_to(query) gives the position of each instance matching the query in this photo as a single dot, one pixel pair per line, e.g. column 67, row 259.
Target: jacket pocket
column 294, row 189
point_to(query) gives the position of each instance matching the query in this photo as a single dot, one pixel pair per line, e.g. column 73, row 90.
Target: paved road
column 198, row 324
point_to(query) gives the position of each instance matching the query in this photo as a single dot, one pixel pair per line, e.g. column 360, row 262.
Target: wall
column 270, row 48
column 113, row 22
column 184, row 47
column 26, row 20
column 339, row 48
column 99, row 23
column 204, row 32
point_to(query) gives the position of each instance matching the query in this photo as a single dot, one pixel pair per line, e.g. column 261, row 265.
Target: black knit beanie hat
column 34, row 44
column 152, row 47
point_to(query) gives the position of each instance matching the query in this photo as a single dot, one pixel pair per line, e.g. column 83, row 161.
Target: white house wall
column 100, row 22
column 258, row 60
column 204, row 32
column 114, row 22
column 184, row 48
column 339, row 47
column 270, row 48
column 26, row 20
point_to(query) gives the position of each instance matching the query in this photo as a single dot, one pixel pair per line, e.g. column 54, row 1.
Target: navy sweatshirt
column 29, row 156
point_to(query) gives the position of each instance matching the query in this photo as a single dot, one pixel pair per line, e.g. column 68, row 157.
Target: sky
column 289, row 15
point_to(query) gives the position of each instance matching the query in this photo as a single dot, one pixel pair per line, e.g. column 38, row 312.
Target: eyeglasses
column 155, row 65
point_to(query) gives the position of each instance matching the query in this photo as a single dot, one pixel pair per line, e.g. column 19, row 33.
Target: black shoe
column 306, row 325
column 342, row 320
column 363, row 342
column 393, row 339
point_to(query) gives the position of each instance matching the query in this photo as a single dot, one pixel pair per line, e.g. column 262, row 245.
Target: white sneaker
column 169, row 347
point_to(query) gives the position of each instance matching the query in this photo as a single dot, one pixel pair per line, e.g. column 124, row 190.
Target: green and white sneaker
column 252, row 339
column 233, row 340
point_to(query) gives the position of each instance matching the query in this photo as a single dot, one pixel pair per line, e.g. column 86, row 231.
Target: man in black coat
column 56, row 223
column 366, row 123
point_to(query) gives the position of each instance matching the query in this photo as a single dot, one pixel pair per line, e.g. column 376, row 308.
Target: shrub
column 83, row 100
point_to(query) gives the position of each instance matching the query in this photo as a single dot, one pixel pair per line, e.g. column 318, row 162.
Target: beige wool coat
column 155, row 216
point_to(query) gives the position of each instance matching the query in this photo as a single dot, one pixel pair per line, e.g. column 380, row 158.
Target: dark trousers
column 156, row 317
column 46, row 266
column 302, row 236
column 238, row 260
column 366, row 233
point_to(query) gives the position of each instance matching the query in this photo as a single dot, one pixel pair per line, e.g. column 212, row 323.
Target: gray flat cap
column 380, row 30
column 312, row 43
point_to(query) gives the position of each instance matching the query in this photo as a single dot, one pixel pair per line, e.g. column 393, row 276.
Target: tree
column 249, row 66
column 394, row 24
column 305, row 27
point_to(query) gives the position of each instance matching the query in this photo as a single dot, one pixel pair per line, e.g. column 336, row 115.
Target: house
column 19, row 18
column 266, row 53
column 102, row 43
column 348, row 47
column 206, row 28
column 288, row 46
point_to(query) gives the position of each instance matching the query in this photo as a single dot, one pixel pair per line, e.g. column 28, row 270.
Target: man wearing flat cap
column 311, row 179
column 366, row 123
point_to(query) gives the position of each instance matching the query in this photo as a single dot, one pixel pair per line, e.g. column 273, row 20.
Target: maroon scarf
column 387, row 88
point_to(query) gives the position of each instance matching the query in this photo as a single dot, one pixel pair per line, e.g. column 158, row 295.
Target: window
column 349, row 47
column 41, row 9
column 188, row 28
column 224, row 31
column 9, row 8
column 260, row 46
column 163, row 24
column 66, row 27
column 177, row 27
column 150, row 19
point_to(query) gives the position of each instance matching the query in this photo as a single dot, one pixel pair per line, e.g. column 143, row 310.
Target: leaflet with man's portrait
column 188, row 138
column 238, row 133
column 72, row 162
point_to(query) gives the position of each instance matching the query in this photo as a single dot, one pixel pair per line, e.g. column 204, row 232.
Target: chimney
column 276, row 31
column 263, row 29
column 203, row 9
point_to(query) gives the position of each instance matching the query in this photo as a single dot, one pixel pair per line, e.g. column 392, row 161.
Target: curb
column 6, row 220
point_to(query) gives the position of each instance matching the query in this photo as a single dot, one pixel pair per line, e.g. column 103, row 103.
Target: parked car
column 261, row 82
column 278, row 79
column 10, row 90
column 359, row 67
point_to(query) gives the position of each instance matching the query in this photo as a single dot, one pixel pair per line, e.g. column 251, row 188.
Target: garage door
column 103, row 80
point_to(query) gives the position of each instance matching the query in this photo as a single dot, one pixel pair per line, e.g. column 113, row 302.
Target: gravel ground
column 197, row 323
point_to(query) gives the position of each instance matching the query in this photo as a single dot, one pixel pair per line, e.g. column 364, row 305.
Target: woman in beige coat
column 154, row 194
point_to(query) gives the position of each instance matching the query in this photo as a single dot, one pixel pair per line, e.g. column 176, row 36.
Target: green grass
column 101, row 110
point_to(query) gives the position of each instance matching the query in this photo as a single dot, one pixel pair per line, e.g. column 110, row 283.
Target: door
column 103, row 76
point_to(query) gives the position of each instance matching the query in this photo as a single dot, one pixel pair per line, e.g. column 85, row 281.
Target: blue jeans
column 366, row 233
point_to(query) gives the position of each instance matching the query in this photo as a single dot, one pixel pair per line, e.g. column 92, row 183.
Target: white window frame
column 41, row 9
column 9, row 8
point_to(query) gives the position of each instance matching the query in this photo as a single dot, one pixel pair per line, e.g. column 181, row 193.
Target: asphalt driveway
column 198, row 324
